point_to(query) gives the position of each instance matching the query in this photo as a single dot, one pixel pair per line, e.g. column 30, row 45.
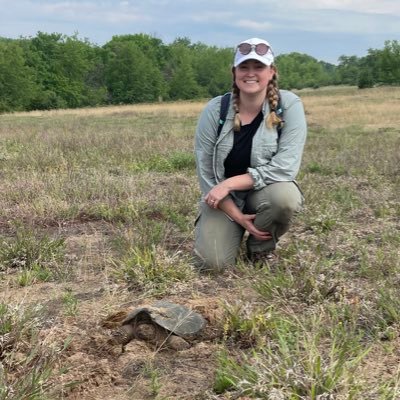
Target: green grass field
column 96, row 217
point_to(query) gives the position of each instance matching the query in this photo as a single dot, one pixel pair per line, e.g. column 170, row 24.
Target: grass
column 300, row 359
column 27, row 364
column 152, row 269
column 97, row 212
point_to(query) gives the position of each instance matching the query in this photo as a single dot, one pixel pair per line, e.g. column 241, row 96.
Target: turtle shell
column 176, row 318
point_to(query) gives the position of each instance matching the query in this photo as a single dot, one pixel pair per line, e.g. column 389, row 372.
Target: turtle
column 163, row 324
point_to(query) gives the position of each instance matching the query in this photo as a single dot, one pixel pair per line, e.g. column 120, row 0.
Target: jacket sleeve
column 205, row 139
column 285, row 164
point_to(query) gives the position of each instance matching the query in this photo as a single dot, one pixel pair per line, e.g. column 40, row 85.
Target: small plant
column 112, row 213
column 316, row 168
column 37, row 273
column 28, row 251
column 230, row 371
column 27, row 366
column 153, row 374
column 323, row 223
column 390, row 390
column 311, row 283
column 152, row 268
column 277, row 284
column 175, row 161
column 32, row 376
column 301, row 359
column 389, row 306
column 244, row 326
column 70, row 303
column 347, row 198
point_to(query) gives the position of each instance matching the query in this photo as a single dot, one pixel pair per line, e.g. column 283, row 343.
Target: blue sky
column 324, row 29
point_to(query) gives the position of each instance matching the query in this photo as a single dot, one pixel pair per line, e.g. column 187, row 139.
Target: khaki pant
column 218, row 238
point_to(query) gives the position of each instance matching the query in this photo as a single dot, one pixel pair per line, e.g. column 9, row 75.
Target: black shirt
column 238, row 159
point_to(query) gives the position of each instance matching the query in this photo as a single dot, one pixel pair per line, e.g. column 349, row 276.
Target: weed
column 176, row 161
column 389, row 306
column 37, row 273
column 301, row 359
column 153, row 374
column 244, row 326
column 70, row 303
column 152, row 268
column 28, row 252
column 27, row 366
column 347, row 198
column 323, row 223
column 390, row 390
column 230, row 372
column 112, row 213
column 316, row 168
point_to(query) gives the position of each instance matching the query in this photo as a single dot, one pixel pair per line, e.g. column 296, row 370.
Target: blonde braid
column 236, row 101
column 273, row 101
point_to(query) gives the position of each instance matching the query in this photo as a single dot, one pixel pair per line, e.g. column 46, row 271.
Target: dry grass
column 368, row 108
column 96, row 217
column 174, row 108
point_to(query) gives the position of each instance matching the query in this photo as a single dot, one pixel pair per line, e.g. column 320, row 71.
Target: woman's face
column 252, row 76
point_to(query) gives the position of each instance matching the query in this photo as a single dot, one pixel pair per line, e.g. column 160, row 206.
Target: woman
column 247, row 173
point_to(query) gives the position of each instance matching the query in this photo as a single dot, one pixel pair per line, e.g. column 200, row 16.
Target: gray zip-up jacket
column 270, row 161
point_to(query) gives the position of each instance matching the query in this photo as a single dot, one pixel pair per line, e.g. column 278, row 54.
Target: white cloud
column 208, row 16
column 92, row 11
column 253, row 25
column 354, row 24
column 336, row 22
column 388, row 7
column 274, row 7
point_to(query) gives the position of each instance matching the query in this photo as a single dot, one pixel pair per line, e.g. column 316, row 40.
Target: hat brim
column 266, row 59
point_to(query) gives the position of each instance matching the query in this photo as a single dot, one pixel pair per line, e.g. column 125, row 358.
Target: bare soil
column 94, row 368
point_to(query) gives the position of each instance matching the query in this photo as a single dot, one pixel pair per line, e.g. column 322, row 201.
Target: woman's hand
column 248, row 224
column 228, row 206
column 220, row 191
column 216, row 195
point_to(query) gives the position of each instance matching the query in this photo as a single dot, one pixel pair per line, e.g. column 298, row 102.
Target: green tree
column 386, row 63
column 348, row 70
column 152, row 47
column 130, row 75
column 212, row 68
column 65, row 70
column 95, row 90
column 17, row 81
column 297, row 71
column 182, row 81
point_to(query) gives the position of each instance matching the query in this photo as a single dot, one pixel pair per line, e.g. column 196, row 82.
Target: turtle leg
column 160, row 337
column 176, row 343
column 123, row 335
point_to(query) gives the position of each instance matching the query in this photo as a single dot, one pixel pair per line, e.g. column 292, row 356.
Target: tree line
column 51, row 71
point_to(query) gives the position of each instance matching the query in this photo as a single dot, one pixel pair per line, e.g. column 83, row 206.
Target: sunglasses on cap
column 261, row 48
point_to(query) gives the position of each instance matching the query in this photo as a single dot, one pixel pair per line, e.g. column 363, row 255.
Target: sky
column 323, row 29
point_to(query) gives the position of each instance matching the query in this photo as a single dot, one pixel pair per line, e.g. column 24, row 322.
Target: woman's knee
column 281, row 203
column 286, row 195
column 217, row 239
column 210, row 259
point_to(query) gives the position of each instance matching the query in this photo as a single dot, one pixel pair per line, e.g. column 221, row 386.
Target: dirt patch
column 94, row 366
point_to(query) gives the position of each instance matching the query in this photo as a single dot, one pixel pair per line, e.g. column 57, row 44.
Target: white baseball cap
column 253, row 53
